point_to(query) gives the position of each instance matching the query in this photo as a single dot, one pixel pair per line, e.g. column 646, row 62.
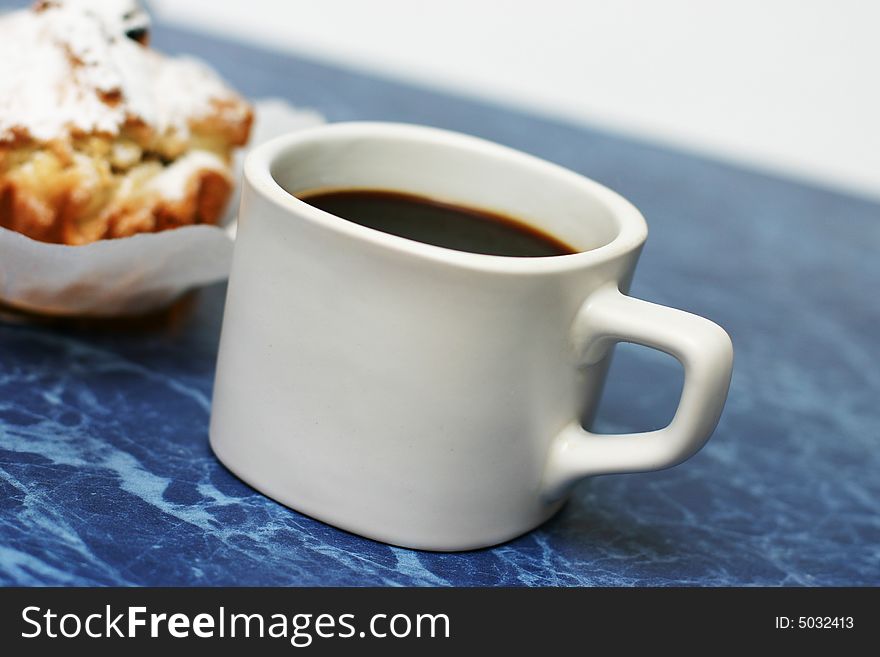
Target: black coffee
column 442, row 224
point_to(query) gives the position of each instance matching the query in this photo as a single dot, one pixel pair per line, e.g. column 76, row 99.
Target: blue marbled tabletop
column 106, row 476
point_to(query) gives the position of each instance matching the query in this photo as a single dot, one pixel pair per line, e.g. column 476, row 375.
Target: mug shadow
column 589, row 521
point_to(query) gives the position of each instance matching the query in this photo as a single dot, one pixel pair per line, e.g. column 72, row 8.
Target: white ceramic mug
column 427, row 397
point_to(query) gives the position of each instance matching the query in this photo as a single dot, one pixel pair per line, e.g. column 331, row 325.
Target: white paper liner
column 133, row 274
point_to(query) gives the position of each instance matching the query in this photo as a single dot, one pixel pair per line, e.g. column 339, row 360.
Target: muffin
column 102, row 137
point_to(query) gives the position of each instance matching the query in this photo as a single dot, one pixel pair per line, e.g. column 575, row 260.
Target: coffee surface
column 441, row 224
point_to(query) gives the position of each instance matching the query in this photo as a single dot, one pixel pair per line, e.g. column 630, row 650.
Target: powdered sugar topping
column 67, row 66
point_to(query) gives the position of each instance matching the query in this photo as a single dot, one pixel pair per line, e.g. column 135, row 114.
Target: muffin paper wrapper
column 135, row 274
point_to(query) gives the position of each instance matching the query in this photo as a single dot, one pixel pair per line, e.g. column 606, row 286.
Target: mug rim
column 632, row 229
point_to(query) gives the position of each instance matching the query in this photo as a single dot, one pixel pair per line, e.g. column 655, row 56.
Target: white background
column 786, row 85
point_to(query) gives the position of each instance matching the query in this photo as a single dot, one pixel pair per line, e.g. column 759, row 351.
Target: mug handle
column 704, row 350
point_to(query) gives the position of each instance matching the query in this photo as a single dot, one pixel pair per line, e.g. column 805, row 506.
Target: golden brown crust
column 230, row 120
column 75, row 203
column 91, row 187
column 207, row 193
column 29, row 215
